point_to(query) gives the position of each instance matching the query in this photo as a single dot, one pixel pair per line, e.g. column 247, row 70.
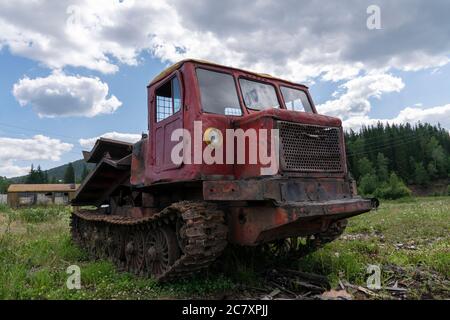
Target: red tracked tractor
column 169, row 218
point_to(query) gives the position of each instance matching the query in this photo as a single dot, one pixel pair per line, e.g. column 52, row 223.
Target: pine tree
column 69, row 175
column 85, row 172
column 448, row 166
column 4, row 184
column 39, row 175
column 439, row 159
column 420, row 174
column 382, row 167
column 365, row 166
column 32, row 176
column 432, row 170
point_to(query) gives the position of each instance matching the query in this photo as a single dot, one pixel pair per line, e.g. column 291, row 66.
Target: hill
column 57, row 173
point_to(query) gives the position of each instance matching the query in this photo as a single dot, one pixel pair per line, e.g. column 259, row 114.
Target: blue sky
column 426, row 87
column 77, row 70
column 129, row 85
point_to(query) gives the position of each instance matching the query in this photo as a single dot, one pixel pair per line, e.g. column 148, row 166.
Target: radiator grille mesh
column 310, row 148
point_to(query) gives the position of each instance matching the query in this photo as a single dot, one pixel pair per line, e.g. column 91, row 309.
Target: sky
column 72, row 71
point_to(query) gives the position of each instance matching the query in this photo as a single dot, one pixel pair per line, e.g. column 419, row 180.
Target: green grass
column 412, row 235
column 36, row 251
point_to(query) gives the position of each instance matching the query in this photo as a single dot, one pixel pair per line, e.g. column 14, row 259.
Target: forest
column 385, row 158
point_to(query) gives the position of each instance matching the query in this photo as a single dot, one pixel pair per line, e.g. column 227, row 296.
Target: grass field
column 408, row 239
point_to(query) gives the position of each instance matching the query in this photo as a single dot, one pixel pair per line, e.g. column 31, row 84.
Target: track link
column 201, row 234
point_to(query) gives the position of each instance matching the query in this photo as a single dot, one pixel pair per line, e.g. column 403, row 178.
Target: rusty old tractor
column 160, row 207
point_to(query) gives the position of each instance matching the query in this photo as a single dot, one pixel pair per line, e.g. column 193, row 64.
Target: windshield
column 258, row 95
column 218, row 93
column 295, row 99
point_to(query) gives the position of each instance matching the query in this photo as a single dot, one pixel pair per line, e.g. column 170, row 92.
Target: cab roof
column 178, row 65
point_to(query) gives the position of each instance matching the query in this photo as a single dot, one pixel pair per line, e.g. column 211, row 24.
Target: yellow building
column 40, row 194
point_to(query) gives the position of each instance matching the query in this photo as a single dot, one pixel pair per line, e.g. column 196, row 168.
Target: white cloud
column 299, row 40
column 63, row 95
column 354, row 102
column 39, row 147
column 9, row 169
column 127, row 137
column 434, row 115
column 355, row 123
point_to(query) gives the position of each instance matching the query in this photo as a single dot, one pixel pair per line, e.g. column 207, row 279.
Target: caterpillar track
column 177, row 242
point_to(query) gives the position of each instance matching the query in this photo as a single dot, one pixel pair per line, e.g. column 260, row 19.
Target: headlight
column 213, row 137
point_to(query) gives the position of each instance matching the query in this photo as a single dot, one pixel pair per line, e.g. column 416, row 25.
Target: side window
column 168, row 99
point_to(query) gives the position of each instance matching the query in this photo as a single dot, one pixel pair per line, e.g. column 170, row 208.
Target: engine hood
column 291, row 116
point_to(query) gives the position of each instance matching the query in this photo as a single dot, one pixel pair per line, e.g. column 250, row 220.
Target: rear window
column 295, row 99
column 258, row 96
column 218, row 93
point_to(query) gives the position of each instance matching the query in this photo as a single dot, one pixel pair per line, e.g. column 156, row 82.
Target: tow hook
column 375, row 203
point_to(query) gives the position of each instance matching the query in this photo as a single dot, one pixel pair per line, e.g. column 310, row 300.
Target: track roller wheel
column 134, row 253
column 161, row 250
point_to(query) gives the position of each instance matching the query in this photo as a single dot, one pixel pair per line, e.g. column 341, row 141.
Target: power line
column 396, row 138
column 38, row 131
column 385, row 146
column 373, row 139
column 75, row 146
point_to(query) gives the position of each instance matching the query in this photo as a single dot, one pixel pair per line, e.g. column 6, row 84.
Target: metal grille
column 310, row 148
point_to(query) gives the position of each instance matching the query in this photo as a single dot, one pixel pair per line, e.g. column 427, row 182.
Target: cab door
column 168, row 117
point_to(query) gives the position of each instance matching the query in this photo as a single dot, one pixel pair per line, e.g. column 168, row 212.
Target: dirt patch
column 438, row 187
column 7, row 225
column 363, row 236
